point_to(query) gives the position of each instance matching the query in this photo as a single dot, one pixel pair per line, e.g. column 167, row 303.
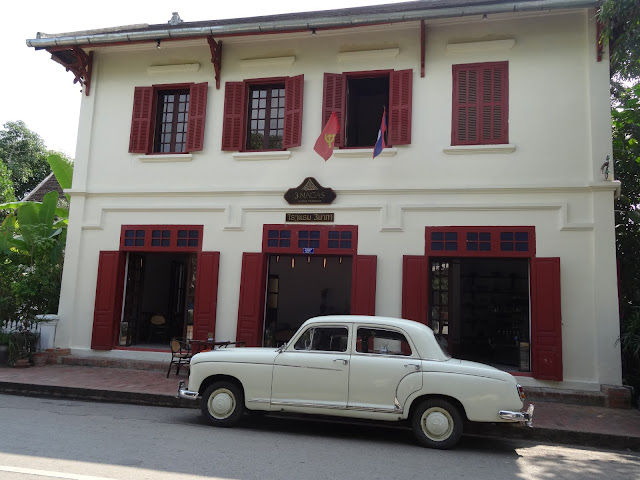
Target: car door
column 385, row 369
column 314, row 371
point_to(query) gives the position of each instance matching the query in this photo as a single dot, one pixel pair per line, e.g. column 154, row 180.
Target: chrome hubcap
column 222, row 403
column 437, row 424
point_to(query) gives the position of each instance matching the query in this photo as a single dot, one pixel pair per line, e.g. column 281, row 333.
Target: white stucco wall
column 558, row 122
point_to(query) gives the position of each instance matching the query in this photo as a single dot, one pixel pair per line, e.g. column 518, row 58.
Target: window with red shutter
column 168, row 118
column 359, row 99
column 480, row 104
column 263, row 114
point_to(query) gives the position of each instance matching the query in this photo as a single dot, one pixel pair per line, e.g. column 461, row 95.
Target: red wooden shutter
column 108, row 304
column 464, row 128
column 546, row 319
column 141, row 123
column 400, row 93
column 234, row 116
column 252, row 291
column 494, row 103
column 363, row 285
column 415, row 276
column 480, row 104
column 293, row 96
column 334, row 97
column 197, row 116
column 206, row 299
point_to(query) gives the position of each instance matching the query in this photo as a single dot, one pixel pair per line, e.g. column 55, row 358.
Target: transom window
column 171, row 121
column 161, row 237
column 266, row 117
column 310, row 240
column 480, row 241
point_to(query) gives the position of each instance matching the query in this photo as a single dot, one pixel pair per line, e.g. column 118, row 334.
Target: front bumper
column 524, row 417
column 184, row 393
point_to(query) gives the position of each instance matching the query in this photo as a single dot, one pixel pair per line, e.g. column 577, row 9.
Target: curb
column 507, row 431
column 87, row 394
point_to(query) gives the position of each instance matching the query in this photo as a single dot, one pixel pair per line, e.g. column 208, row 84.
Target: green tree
column 6, row 185
column 25, row 156
column 621, row 22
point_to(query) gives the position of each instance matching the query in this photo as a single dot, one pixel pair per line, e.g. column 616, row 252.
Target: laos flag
column 380, row 143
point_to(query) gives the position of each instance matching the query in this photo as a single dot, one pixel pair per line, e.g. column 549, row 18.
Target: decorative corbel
column 78, row 62
column 216, row 57
column 423, row 39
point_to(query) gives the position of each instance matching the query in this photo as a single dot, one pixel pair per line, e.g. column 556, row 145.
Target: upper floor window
column 480, row 104
column 359, row 98
column 171, row 121
column 168, row 118
column 263, row 114
column 266, row 117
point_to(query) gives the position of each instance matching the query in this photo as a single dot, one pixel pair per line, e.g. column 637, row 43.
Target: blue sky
column 40, row 92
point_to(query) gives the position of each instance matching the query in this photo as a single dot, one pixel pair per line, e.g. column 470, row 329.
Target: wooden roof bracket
column 216, row 57
column 78, row 62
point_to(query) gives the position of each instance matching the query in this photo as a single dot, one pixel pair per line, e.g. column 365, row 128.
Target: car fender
column 481, row 397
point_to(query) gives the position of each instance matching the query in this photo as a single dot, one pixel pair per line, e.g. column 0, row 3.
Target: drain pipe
column 102, row 37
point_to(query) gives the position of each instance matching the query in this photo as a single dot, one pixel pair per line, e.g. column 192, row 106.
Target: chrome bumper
column 525, row 417
column 184, row 393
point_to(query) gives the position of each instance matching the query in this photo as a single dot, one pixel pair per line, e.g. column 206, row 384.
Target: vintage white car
column 360, row 367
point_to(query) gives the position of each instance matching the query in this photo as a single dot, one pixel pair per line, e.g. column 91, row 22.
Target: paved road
column 41, row 438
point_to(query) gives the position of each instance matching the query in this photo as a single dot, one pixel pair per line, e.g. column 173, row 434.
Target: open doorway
column 158, row 299
column 480, row 309
column 300, row 287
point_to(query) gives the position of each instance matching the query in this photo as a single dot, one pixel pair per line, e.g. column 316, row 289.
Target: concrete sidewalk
column 553, row 422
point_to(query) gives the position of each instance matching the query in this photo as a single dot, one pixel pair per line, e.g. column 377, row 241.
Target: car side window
column 382, row 342
column 326, row 339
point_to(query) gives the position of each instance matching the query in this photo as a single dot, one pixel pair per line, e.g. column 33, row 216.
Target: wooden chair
column 181, row 354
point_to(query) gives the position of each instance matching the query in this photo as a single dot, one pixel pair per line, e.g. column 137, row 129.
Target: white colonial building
column 200, row 208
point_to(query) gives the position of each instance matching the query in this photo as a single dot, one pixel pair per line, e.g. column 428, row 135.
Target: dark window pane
column 139, row 242
column 522, row 247
column 303, row 234
column 182, row 234
column 450, row 246
column 522, row 236
column 285, row 243
column 485, row 236
column 155, row 243
column 472, row 246
column 315, row 234
column 128, row 242
column 129, row 233
column 285, row 233
column 272, row 243
column 506, row 246
column 334, row 234
column 345, row 244
column 315, row 243
column 182, row 243
column 437, row 236
column 451, row 236
column 347, row 234
column 472, row 236
column 333, row 243
column 273, row 234
column 437, row 246
column 506, row 236
column 485, row 247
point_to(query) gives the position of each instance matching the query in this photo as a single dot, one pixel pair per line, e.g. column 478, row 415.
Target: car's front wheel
column 222, row 404
column 437, row 424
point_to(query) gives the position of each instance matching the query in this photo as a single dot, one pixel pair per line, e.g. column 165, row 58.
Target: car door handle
column 344, row 362
column 412, row 365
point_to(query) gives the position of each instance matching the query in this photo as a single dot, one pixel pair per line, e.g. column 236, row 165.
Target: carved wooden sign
column 309, row 191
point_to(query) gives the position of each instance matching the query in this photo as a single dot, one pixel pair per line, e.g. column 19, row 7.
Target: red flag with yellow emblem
column 326, row 140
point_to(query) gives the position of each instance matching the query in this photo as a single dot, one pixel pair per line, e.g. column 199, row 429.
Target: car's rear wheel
column 437, row 424
column 222, row 404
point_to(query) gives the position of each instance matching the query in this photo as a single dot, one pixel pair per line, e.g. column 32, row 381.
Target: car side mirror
column 282, row 347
